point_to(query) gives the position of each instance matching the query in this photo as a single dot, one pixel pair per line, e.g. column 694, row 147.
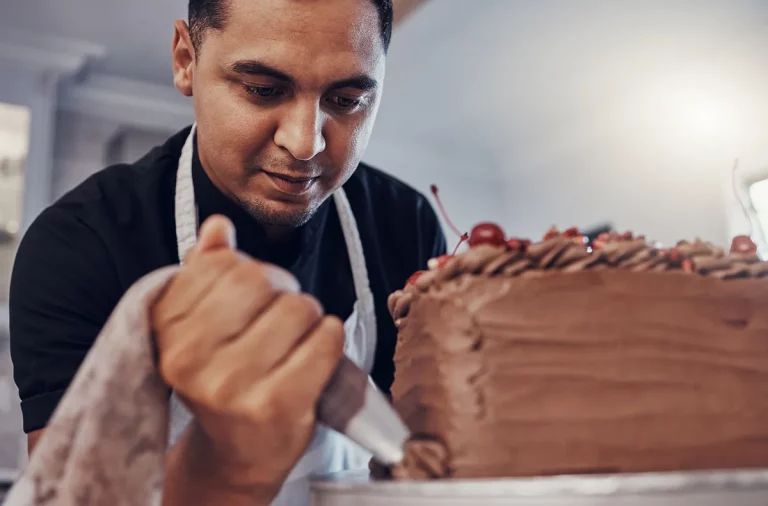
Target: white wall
column 80, row 149
column 86, row 144
column 14, row 141
column 468, row 197
column 14, row 145
column 133, row 143
column 650, row 106
column 590, row 111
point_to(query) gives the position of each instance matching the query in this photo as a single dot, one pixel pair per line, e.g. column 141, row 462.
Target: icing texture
column 565, row 359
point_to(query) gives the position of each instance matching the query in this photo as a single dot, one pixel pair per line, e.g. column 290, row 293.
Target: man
column 285, row 95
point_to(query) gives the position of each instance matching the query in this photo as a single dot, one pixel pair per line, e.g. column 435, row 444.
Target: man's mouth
column 292, row 185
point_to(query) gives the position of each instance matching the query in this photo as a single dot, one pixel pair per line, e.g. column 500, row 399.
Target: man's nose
column 300, row 130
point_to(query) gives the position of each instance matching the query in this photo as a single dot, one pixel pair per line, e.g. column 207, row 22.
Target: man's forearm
column 193, row 479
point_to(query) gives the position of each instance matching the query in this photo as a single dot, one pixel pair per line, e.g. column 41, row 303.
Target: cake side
column 438, row 363
column 648, row 372
column 516, row 363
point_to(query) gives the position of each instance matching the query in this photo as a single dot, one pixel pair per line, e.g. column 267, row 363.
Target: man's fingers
column 227, row 309
column 216, row 233
column 293, row 388
column 248, row 358
column 190, row 286
column 240, row 296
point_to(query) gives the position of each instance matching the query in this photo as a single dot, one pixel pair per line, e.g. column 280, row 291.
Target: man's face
column 285, row 99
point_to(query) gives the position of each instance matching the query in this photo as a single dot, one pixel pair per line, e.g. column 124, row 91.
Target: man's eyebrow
column 361, row 82
column 256, row 68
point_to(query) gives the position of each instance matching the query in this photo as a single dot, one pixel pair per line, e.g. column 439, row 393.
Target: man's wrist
column 196, row 475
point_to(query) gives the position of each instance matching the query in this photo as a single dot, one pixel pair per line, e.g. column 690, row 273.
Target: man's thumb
column 216, row 233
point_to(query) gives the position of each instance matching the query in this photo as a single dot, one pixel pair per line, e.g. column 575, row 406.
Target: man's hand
column 249, row 355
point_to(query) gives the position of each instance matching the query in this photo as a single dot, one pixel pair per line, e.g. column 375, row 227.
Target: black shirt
column 82, row 254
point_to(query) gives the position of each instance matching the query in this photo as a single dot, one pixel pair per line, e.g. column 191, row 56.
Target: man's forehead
column 312, row 25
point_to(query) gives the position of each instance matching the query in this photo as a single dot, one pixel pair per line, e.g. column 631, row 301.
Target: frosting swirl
column 571, row 254
column 425, row 459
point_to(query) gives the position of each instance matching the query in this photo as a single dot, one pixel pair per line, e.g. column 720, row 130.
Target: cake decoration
column 742, row 244
column 569, row 356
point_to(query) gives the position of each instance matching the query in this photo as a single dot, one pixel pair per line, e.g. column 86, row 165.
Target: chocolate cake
column 563, row 357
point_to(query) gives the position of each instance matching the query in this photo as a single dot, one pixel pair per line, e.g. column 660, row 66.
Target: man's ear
column 183, row 58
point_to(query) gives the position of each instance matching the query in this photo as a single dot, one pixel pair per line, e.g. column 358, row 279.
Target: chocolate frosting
column 425, row 459
column 566, row 359
column 566, row 254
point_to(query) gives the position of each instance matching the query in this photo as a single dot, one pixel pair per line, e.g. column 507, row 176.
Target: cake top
column 491, row 253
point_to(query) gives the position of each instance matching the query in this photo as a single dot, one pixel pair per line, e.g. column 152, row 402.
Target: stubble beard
column 265, row 214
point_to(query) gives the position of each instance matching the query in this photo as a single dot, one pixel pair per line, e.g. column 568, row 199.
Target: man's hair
column 211, row 14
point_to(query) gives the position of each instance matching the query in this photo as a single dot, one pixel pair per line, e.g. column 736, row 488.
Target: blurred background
column 528, row 113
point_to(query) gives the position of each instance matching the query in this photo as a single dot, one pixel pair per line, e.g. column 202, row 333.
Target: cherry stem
column 739, row 198
column 445, row 215
column 464, row 237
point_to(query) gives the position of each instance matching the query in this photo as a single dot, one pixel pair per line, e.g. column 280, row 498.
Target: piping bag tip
column 352, row 405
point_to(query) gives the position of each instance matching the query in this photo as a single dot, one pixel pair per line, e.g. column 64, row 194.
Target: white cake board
column 739, row 488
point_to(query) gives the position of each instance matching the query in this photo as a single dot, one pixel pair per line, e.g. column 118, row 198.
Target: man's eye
column 344, row 102
column 263, row 91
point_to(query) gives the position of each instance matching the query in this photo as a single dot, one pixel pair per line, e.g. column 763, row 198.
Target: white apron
column 329, row 451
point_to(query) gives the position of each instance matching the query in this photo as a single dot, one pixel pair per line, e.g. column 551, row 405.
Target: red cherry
column 415, row 276
column 552, row 233
column 518, row 244
column 439, row 262
column 572, row 232
column 487, row 233
column 601, row 240
column 743, row 245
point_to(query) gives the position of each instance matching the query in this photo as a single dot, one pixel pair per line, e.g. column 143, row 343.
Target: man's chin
column 281, row 214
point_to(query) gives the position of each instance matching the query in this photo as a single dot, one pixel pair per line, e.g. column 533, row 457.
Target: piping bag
column 352, row 405
column 106, row 443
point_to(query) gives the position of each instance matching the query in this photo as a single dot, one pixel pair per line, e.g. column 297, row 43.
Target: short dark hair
column 211, row 14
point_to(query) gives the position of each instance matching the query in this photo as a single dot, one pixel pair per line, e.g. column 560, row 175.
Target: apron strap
column 354, row 245
column 186, row 207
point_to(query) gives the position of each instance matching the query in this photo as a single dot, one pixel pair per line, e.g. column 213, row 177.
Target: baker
column 285, row 95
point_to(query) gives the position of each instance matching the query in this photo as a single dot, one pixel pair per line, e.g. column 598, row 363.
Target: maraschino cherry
column 600, row 241
column 414, row 277
column 572, row 232
column 552, row 233
column 516, row 244
column 487, row 233
column 743, row 245
column 439, row 262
